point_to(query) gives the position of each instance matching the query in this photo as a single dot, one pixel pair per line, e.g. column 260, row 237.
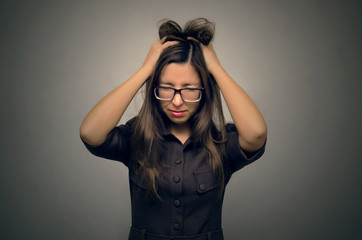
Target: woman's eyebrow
column 183, row 85
column 191, row 85
column 167, row 83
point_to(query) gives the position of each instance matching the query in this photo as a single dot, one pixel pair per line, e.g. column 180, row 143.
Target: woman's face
column 178, row 76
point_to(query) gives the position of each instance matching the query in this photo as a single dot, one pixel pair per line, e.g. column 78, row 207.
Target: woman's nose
column 177, row 100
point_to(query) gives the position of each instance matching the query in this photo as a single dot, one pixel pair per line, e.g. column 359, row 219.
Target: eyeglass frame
column 178, row 91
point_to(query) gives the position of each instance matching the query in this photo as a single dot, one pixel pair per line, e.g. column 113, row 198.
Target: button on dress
column 190, row 202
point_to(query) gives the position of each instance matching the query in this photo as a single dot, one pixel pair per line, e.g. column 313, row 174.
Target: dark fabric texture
column 190, row 202
column 136, row 234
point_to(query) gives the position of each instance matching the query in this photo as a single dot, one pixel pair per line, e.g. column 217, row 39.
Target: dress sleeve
column 116, row 146
column 236, row 157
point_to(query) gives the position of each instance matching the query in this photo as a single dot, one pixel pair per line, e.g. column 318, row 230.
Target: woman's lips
column 177, row 113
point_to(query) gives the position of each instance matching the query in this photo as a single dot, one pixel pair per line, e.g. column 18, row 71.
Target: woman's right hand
column 155, row 52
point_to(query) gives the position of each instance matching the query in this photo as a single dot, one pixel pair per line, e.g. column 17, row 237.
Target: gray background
column 299, row 60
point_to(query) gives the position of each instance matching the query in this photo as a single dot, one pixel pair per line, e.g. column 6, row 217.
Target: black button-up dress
column 190, row 203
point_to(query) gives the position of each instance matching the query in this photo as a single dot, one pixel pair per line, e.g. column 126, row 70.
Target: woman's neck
column 181, row 131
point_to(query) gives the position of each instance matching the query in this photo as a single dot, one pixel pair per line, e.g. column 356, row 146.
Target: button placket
column 176, row 178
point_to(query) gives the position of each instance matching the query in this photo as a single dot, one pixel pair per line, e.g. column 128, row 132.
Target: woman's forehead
column 179, row 74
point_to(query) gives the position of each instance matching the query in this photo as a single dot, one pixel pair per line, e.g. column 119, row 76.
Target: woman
column 179, row 152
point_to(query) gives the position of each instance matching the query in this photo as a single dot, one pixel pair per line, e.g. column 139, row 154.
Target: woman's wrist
column 145, row 70
column 216, row 70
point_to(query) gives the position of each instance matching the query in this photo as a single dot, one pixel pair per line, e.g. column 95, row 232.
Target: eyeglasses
column 187, row 94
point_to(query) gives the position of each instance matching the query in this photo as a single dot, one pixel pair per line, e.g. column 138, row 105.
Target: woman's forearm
column 248, row 120
column 105, row 115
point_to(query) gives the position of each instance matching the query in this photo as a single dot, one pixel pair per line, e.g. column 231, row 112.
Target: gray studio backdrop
column 299, row 60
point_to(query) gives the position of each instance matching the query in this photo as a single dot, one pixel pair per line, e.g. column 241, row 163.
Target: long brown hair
column 207, row 124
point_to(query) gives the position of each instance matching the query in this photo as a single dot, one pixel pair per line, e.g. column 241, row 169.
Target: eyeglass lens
column 186, row 94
